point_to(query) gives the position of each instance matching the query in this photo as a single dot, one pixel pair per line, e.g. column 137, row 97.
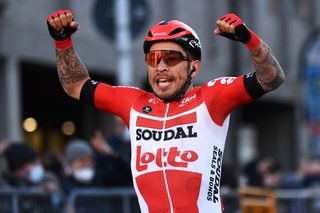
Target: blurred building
column 29, row 85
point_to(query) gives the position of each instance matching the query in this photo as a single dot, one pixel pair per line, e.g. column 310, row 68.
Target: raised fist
column 61, row 24
column 232, row 27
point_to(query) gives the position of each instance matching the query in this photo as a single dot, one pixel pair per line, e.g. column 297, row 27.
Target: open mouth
column 164, row 82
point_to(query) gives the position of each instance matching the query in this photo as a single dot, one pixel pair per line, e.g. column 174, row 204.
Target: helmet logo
column 160, row 34
column 194, row 43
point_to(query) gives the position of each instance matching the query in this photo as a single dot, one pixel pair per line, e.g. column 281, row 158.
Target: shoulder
column 221, row 81
column 222, row 85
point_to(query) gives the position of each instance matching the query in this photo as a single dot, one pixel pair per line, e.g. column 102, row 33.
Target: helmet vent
column 150, row 34
column 175, row 31
column 163, row 23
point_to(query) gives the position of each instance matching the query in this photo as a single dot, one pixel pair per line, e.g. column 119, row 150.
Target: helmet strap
column 182, row 91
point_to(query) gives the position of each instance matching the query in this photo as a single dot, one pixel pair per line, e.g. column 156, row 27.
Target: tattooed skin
column 70, row 68
column 72, row 73
column 269, row 73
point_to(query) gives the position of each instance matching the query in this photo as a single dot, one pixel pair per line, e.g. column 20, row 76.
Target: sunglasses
column 170, row 57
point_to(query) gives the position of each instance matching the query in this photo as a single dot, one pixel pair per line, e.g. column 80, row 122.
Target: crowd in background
column 101, row 161
column 104, row 161
column 268, row 173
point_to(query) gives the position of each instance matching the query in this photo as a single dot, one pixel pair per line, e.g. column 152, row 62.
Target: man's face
column 167, row 80
column 24, row 172
column 82, row 162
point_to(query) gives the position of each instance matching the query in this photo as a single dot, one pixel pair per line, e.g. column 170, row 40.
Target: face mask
column 84, row 175
column 36, row 174
column 126, row 134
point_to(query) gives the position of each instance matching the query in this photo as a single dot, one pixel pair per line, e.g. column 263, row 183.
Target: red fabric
column 184, row 190
column 233, row 19
column 58, row 13
column 254, row 41
column 222, row 95
column 157, row 124
column 116, row 99
column 63, row 45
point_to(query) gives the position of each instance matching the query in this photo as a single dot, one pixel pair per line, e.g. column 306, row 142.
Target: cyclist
column 178, row 131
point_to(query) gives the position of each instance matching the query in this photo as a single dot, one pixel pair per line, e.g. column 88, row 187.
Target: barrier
column 109, row 200
column 28, row 201
column 123, row 200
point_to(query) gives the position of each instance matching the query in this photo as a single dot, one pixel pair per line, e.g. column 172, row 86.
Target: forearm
column 71, row 71
column 268, row 71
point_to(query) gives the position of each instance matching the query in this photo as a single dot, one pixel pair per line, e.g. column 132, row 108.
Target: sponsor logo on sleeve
column 222, row 80
column 249, row 75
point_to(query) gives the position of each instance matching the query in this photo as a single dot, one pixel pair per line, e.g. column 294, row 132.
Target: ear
column 195, row 67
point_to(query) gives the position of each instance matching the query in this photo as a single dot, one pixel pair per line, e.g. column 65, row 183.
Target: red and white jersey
column 177, row 147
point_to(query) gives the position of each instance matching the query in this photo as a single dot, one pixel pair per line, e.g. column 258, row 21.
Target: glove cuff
column 63, row 45
column 254, row 41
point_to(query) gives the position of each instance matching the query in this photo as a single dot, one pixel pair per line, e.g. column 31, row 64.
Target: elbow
column 283, row 76
column 272, row 79
column 280, row 77
column 74, row 90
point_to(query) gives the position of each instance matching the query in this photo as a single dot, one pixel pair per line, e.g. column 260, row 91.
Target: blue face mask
column 36, row 174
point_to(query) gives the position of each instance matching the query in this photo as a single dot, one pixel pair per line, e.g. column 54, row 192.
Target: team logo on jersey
column 147, row 109
column 163, row 157
column 187, row 100
column 169, row 134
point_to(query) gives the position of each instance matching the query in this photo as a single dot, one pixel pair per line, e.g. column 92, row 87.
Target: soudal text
column 165, row 135
column 215, row 175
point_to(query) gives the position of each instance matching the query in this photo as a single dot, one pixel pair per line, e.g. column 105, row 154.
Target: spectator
column 80, row 164
column 119, row 139
column 24, row 166
column 52, row 162
column 24, row 169
column 268, row 173
column 311, row 172
column 113, row 167
column 273, row 176
column 255, row 171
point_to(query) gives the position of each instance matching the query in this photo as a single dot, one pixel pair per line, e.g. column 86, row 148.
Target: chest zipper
column 162, row 163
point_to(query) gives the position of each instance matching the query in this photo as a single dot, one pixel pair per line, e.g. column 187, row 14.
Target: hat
column 76, row 149
column 18, row 155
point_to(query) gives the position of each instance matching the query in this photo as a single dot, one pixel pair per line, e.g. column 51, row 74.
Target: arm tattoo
column 71, row 70
column 268, row 71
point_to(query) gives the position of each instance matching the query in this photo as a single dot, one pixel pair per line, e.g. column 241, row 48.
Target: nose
column 162, row 65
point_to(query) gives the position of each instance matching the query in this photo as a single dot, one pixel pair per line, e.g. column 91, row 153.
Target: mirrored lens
column 170, row 57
